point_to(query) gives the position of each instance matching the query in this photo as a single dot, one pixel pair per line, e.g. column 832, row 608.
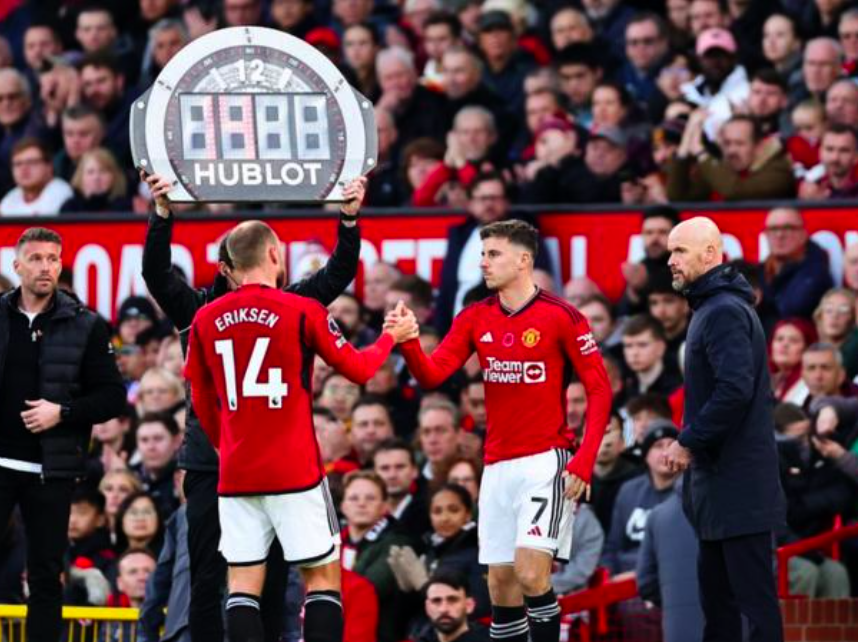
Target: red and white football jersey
column 527, row 357
column 250, row 366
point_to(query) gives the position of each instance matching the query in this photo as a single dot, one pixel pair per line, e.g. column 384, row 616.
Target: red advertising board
column 106, row 255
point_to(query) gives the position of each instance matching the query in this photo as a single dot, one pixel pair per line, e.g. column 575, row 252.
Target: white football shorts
column 522, row 506
column 305, row 523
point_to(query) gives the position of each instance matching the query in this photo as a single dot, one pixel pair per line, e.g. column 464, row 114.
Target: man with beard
column 838, row 154
column 722, row 82
column 657, row 223
column 448, row 604
column 733, row 496
column 768, row 100
column 103, row 87
column 180, row 302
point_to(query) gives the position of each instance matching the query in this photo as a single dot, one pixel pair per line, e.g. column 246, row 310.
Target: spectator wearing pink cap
column 722, row 83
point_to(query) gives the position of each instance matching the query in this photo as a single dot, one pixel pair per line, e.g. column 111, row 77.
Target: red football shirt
column 250, row 366
column 527, row 357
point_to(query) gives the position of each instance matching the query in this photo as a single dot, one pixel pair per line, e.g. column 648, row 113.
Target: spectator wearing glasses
column 37, row 192
column 646, row 47
column 821, row 67
column 18, row 119
column 796, row 273
column 835, row 324
column 847, row 34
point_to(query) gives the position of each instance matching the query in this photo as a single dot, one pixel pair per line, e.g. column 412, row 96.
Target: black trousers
column 208, row 567
column 737, row 578
column 45, row 507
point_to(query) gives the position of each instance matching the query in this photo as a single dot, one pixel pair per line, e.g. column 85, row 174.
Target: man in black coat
column 732, row 493
column 180, row 303
column 59, row 377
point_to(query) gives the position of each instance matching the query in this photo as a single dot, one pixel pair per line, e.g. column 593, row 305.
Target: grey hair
column 438, row 404
column 395, row 54
column 462, row 49
column 831, row 42
column 169, row 24
column 851, row 14
column 9, row 72
column 476, row 110
column 823, row 346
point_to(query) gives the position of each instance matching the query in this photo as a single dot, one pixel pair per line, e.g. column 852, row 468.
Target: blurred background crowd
column 480, row 105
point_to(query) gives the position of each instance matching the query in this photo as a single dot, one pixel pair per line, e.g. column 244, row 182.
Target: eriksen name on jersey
column 246, row 315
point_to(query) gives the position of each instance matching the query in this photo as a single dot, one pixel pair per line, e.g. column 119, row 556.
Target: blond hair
column 107, row 161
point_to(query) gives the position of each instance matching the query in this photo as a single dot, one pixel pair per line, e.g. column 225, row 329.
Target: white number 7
column 275, row 389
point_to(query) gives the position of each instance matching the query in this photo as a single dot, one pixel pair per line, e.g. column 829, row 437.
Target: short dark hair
column 444, row 18
column 839, row 129
column 327, row 413
column 579, row 53
column 102, row 60
column 514, row 231
column 475, row 295
column 393, row 444
column 641, row 323
column 419, row 289
column 623, row 94
column 164, row 418
column 662, row 211
column 650, row 16
column 135, row 551
column 38, row 235
column 29, row 142
column 451, row 577
column 81, row 111
column 651, row 401
column 96, row 7
column 487, row 177
column 722, row 4
column 602, row 300
column 459, row 491
column 660, row 281
column 615, row 416
column 370, row 28
column 749, row 270
column 87, row 494
column 371, row 399
column 771, row 76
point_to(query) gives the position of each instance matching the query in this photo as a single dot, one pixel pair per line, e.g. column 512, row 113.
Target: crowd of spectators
column 595, row 101
column 404, row 464
column 479, row 105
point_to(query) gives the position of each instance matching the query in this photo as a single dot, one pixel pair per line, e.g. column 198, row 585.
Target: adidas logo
column 487, row 338
column 535, row 531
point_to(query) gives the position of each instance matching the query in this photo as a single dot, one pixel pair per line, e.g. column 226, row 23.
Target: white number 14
column 274, row 389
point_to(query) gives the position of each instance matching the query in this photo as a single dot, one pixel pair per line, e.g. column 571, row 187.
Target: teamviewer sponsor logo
column 534, row 372
column 506, row 371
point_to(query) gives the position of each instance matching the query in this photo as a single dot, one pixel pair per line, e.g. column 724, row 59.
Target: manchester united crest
column 530, row 337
